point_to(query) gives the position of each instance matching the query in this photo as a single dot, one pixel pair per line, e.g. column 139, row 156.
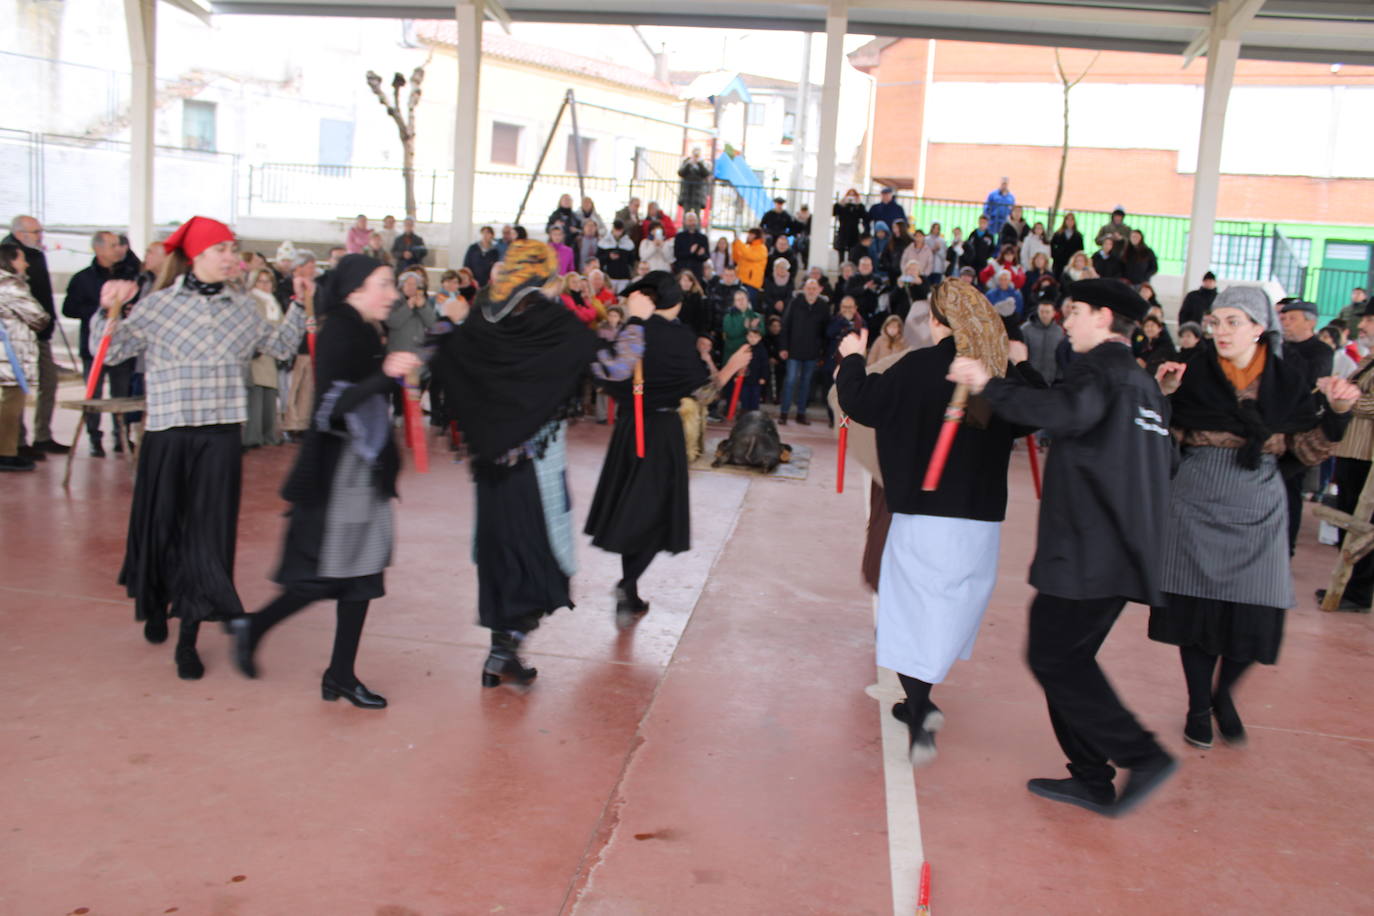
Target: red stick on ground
column 923, row 896
column 954, row 415
column 93, row 382
column 734, row 397
column 1034, row 462
column 843, row 447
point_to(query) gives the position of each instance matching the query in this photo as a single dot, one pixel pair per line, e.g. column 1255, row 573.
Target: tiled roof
column 498, row 45
column 751, row 80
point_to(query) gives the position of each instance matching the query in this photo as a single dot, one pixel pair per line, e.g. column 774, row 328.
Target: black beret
column 1124, row 301
column 667, row 289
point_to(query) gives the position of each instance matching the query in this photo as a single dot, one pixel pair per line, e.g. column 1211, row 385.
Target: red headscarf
column 197, row 234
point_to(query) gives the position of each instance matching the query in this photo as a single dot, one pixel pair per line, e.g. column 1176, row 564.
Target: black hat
column 1110, row 294
column 779, row 200
column 1297, row 305
column 664, row 287
column 1118, row 211
column 1209, row 276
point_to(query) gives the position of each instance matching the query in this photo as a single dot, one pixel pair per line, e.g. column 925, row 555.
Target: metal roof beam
column 1230, row 18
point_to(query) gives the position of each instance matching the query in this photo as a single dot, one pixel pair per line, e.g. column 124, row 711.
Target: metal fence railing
column 72, row 181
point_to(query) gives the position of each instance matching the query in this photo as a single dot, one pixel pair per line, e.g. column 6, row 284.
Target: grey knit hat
column 1255, row 302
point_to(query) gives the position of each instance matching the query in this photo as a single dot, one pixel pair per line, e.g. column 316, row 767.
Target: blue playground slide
column 746, row 184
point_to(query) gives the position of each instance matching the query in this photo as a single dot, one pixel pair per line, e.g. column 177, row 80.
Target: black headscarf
column 505, row 379
column 346, row 276
column 1206, row 400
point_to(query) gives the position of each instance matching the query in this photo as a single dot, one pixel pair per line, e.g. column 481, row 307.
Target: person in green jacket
column 738, row 319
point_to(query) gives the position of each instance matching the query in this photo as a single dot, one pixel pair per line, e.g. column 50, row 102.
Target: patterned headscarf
column 978, row 331
column 528, row 266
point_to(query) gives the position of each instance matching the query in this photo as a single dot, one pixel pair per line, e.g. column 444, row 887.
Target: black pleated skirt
column 1244, row 632
column 519, row 580
column 643, row 503
column 183, row 524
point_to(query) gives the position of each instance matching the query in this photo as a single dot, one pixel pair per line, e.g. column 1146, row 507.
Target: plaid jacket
column 195, row 350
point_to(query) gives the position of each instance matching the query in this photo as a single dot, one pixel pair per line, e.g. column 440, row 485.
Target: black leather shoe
column 189, row 666
column 1228, row 720
column 331, row 689
column 51, row 447
column 97, row 450
column 17, row 463
column 1073, row 791
column 1197, row 730
column 1143, row 782
column 32, row 454
column 504, row 663
column 628, row 610
column 241, row 631
column 155, row 630
column 934, row 721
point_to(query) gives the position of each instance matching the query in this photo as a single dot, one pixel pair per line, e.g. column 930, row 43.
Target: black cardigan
column 347, row 349
column 905, row 406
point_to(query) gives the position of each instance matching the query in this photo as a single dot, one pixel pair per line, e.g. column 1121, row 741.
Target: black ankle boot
column 155, row 630
column 189, row 666
column 629, row 607
column 504, row 662
column 1228, row 720
column 1197, row 731
column 245, row 644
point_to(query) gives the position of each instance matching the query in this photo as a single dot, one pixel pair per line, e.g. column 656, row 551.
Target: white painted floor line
column 904, row 848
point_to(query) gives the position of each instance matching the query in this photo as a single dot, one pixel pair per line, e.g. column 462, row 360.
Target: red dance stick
column 639, row 408
column 734, row 397
column 1035, row 462
column 923, row 895
column 610, row 410
column 97, row 364
column 415, row 432
column 844, row 446
column 954, row 415
column 310, row 342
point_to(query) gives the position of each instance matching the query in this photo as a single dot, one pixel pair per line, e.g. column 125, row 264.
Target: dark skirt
column 298, row 572
column 1243, row 632
column 643, row 503
column 183, row 524
column 519, row 580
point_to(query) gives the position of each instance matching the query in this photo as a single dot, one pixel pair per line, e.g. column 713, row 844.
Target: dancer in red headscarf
column 196, row 336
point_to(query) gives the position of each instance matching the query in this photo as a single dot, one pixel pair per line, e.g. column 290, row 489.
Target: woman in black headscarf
column 339, row 537
column 513, row 371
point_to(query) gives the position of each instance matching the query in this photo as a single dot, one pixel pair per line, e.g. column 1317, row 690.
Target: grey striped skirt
column 1226, row 574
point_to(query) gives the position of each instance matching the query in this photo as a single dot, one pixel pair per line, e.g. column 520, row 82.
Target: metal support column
column 822, row 218
column 468, row 15
column 140, row 18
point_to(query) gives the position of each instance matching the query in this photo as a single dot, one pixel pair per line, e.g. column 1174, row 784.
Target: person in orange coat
column 751, row 259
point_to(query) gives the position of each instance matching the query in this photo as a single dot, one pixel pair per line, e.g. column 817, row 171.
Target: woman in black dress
column 851, row 221
column 339, row 537
column 641, row 504
column 514, row 371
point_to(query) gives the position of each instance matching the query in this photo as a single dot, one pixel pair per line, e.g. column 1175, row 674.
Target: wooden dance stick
column 414, row 423
column 954, row 415
column 843, row 447
column 1034, row 462
column 639, row 408
column 734, row 397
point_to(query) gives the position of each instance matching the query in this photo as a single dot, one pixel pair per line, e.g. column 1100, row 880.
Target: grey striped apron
column 1227, row 538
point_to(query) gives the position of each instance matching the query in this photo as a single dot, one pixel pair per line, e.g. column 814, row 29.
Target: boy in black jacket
column 1101, row 525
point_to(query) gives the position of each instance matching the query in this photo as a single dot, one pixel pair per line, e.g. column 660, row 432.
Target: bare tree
column 1068, row 85
column 405, row 124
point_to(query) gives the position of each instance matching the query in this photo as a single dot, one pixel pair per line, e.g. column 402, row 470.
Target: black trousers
column 1092, row 725
column 120, row 377
column 1350, row 476
column 1293, row 485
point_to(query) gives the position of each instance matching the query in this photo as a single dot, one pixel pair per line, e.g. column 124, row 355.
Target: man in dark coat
column 691, row 248
column 886, row 210
column 1101, row 525
column 802, row 344
column 776, row 221
column 1301, row 344
column 1198, row 302
column 409, row 249
column 980, row 245
column 695, row 174
column 113, row 261
column 482, row 256
column 27, row 233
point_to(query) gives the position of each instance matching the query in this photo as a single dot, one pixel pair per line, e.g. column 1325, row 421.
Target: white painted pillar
column 1221, row 70
column 822, row 217
column 140, row 17
column 468, row 15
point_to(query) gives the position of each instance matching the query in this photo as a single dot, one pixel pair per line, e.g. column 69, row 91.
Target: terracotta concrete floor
column 722, row 758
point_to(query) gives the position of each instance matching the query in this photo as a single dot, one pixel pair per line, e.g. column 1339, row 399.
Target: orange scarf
column 1241, row 379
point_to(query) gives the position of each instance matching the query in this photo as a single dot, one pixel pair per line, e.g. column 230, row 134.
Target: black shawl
column 506, row 379
column 1207, row 401
column 348, row 349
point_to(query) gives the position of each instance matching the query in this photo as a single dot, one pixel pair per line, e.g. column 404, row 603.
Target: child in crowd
column 607, row 330
column 757, row 375
column 773, row 343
